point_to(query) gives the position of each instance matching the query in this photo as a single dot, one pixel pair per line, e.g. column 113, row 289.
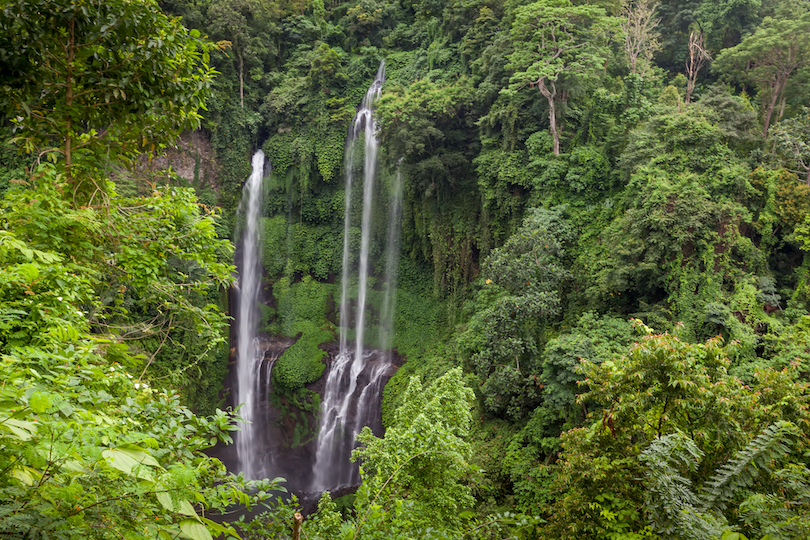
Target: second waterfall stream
column 354, row 383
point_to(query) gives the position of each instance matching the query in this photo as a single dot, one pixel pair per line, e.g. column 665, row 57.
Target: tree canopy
column 95, row 81
column 573, row 175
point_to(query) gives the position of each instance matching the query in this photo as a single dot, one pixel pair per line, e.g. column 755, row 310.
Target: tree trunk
column 698, row 56
column 297, row 520
column 690, row 87
column 776, row 88
column 551, row 96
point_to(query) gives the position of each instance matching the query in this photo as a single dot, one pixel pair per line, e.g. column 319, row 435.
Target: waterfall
column 253, row 373
column 392, row 245
column 354, row 382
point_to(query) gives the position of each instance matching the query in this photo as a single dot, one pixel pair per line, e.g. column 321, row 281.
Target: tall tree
column 521, row 291
column 87, row 79
column 557, row 42
column 768, row 58
column 698, row 56
column 640, row 34
column 236, row 22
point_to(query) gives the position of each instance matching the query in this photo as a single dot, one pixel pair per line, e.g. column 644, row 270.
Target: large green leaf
column 26, row 475
column 22, row 429
column 195, row 530
column 181, row 506
column 218, row 528
column 127, row 457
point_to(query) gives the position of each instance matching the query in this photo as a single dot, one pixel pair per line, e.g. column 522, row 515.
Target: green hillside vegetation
column 604, row 285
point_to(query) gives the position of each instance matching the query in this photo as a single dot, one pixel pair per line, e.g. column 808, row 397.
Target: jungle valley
column 587, row 274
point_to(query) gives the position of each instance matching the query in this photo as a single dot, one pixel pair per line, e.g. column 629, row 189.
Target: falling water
column 344, row 413
column 365, row 414
column 250, row 362
column 391, row 263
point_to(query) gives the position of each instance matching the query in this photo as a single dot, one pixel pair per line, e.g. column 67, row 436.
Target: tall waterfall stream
column 357, row 372
column 250, row 353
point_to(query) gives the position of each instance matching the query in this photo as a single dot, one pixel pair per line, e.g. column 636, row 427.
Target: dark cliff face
column 192, row 158
column 288, row 434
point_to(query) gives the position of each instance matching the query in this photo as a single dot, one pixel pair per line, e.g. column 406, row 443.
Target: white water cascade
column 252, row 371
column 346, row 404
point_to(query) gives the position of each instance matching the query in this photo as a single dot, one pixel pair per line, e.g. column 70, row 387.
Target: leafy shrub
column 595, row 339
column 303, row 362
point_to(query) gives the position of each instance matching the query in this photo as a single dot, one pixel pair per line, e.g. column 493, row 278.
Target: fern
column 741, row 471
column 671, row 501
column 771, row 514
column 677, row 510
column 18, row 524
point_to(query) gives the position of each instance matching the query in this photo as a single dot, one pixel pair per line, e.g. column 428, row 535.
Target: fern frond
column 671, row 501
column 675, row 451
column 741, row 471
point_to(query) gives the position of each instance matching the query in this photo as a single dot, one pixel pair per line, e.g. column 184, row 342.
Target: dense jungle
column 603, row 294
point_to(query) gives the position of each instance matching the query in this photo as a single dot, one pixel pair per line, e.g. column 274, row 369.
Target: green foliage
column 302, row 363
column 567, row 39
column 791, row 139
column 768, row 58
column 303, row 248
column 156, row 254
column 412, row 478
column 684, row 220
column 101, row 293
column 420, row 320
column 595, row 339
column 782, row 207
column 274, row 523
column 410, row 118
column 93, row 82
column 312, row 86
column 231, row 139
column 787, row 344
column 244, row 27
column 679, row 510
column 557, row 43
column 430, row 126
column 301, row 309
column 665, row 386
column 726, row 22
column 12, row 165
column 521, row 283
column 86, row 447
column 526, row 456
column 415, row 479
column 663, row 220
column 300, row 302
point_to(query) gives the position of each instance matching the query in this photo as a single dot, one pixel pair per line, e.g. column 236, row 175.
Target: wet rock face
column 192, row 159
column 285, row 441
